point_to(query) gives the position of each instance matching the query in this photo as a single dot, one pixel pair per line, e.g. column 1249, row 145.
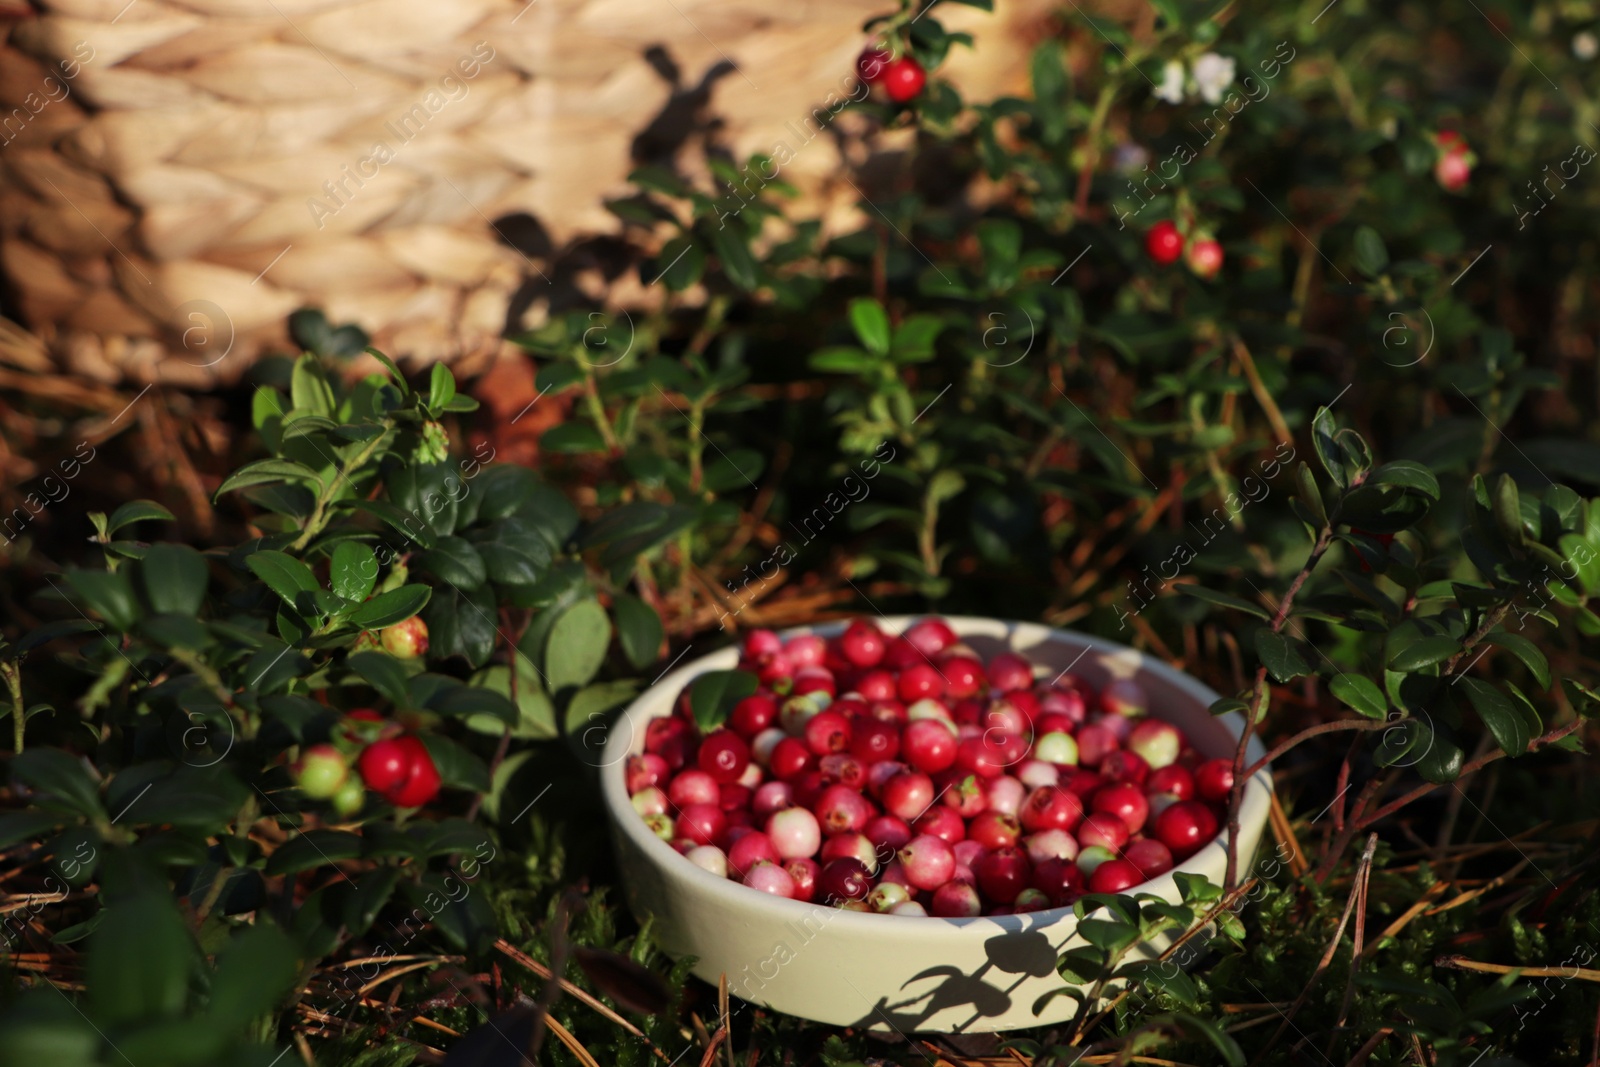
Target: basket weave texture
column 176, row 176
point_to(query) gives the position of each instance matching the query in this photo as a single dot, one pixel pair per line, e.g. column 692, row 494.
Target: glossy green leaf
column 386, row 609
column 353, row 570
column 1361, row 693
column 639, row 629
column 712, row 696
column 175, row 578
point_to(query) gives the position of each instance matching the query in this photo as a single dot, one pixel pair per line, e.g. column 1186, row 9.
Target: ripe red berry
column 701, row 823
column 1185, row 827
column 1009, row 671
column 919, row 681
column 955, row 900
column 385, row 764
column 928, row 862
column 841, row 768
column 1164, row 243
column 993, row 830
column 928, row 745
column 862, row 644
column 1060, row 880
column 887, row 833
column 903, row 79
column 693, row 787
column 724, row 755
column 1125, row 766
column 749, row 850
column 1124, row 801
column 877, row 685
column 1149, row 855
column 1171, row 779
column 1114, row 876
column 753, row 714
column 873, row 741
column 770, row 878
column 1002, row 874
column 907, row 795
column 941, row 822
column 827, row 731
column 645, row 770
column 871, row 63
column 1095, row 741
column 844, row 879
column 843, row 810
column 1213, row 780
column 931, row 636
column 804, row 872
column 790, row 759
column 1107, row 831
column 758, row 643
column 1050, row 808
column 963, row 676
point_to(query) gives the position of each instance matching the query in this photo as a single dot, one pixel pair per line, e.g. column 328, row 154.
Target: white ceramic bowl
column 893, row 972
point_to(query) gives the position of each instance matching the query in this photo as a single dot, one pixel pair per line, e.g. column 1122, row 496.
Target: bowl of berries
column 885, row 823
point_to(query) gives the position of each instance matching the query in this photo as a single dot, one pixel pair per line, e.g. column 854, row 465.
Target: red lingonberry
column 1172, row 779
column 928, row 745
column 1185, row 827
column 1114, row 876
column 919, row 681
column 862, row 644
column 1050, row 808
column 724, row 755
column 1213, row 779
column 1003, row 873
column 754, row 713
column 1163, row 243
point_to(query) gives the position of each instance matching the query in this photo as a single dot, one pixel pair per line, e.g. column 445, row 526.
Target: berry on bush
column 406, row 640
column 1163, row 243
column 903, row 79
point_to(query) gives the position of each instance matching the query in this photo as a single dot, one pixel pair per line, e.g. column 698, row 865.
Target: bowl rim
column 1253, row 807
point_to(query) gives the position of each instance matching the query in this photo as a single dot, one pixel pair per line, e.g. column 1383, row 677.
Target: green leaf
column 309, row 390
column 871, row 324
column 1371, row 256
column 455, row 561
column 267, row 472
column 64, row 777
column 175, row 579
column 361, row 907
column 441, row 388
column 137, row 511
column 1361, row 693
column 1324, row 432
column 458, row 767
column 842, row 359
column 734, row 255
column 314, row 848
column 682, row 263
column 535, row 717
column 914, row 337
column 1109, row 935
column 1423, row 652
column 1408, row 474
column 638, row 629
column 19, row 826
column 1506, row 505
column 572, row 437
column 353, row 570
column 1279, row 655
column 108, row 594
column 1499, row 714
column 1212, row 596
column 1526, row 651
column 141, row 958
column 254, row 973
column 394, row 371
column 1310, row 494
column 577, row 645
column 462, row 623
column 386, row 609
column 284, row 575
column 713, row 695
column 384, row 673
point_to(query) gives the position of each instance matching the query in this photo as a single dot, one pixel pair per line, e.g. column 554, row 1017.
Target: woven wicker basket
column 177, row 175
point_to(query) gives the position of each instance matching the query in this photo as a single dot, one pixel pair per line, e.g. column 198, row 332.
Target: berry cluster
column 392, row 763
column 905, row 775
column 1201, row 253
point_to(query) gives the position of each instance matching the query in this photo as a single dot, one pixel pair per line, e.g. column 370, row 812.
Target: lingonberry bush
column 1256, row 337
